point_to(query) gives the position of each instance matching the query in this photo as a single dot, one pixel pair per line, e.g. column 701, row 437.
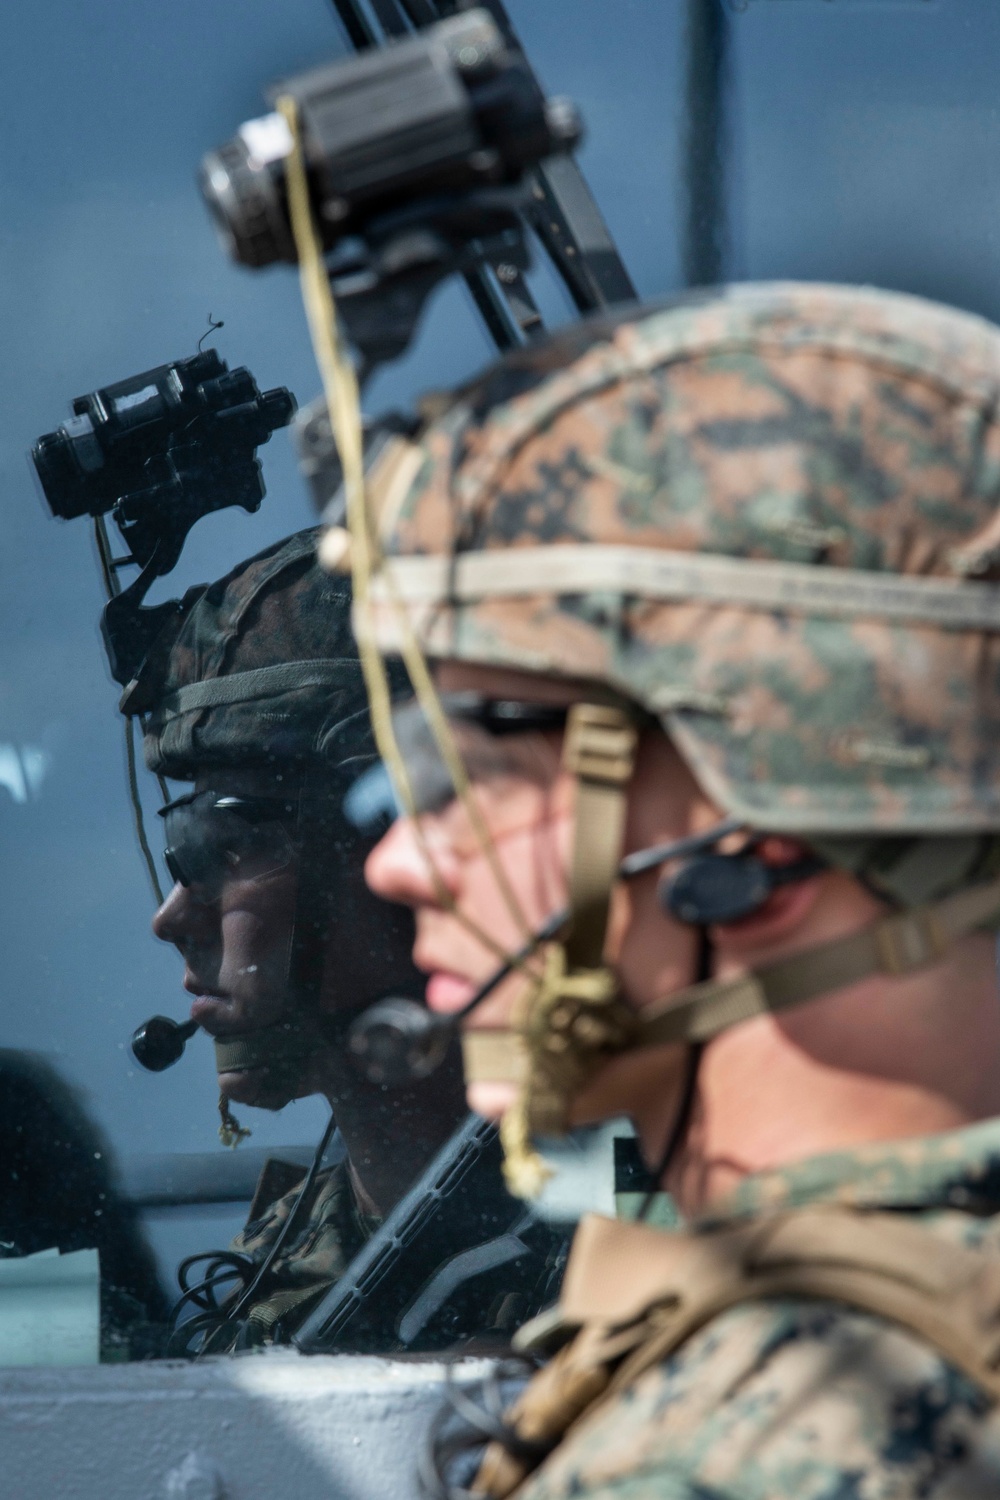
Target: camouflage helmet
column 769, row 515
column 263, row 672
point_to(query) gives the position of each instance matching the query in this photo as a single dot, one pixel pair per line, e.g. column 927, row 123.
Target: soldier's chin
column 259, row 1088
column 490, row 1099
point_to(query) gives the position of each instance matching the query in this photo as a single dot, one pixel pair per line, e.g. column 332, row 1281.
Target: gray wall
column 262, row 1428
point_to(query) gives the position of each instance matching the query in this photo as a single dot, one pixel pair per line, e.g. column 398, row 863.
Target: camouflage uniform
column 768, row 516
column 807, row 1399
column 332, row 1231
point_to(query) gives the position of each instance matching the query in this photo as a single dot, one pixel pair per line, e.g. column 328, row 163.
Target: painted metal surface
column 264, row 1427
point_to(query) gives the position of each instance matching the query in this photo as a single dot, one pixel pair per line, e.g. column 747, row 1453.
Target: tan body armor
column 636, row 1294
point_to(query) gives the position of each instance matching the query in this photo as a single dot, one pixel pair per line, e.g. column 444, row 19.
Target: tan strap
column 878, row 1263
column 572, row 1018
column 599, row 751
column 896, row 945
column 638, row 1294
column 657, row 573
column 494, row 1057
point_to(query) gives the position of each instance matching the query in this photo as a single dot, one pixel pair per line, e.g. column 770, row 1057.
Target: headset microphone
column 398, row 1039
column 159, row 1042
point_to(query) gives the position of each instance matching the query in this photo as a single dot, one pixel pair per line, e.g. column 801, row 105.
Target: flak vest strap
column 896, row 945
column 636, row 1294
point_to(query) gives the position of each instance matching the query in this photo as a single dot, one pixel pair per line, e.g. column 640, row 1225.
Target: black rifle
column 458, row 1256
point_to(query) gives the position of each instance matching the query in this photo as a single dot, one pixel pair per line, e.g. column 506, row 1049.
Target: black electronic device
column 159, row 1042
column 449, row 110
column 718, row 888
column 416, row 155
column 158, row 451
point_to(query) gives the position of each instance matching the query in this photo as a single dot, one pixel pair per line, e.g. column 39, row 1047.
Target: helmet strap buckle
column 573, row 1019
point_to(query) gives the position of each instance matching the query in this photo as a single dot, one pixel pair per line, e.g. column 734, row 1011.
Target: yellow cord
column 231, row 1132
column 343, row 399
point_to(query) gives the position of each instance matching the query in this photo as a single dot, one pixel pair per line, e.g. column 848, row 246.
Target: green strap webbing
column 269, row 1046
column 261, row 682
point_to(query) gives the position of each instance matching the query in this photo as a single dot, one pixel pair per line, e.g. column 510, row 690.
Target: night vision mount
column 157, row 451
column 416, row 156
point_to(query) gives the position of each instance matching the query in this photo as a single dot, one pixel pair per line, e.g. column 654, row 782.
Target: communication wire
column 341, row 390
column 140, row 822
column 113, row 589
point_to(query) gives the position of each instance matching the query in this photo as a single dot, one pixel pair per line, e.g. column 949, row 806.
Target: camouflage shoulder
column 786, row 1401
column 958, row 1169
column 330, row 1233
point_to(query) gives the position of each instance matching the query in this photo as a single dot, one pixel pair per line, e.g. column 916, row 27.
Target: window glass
column 816, row 139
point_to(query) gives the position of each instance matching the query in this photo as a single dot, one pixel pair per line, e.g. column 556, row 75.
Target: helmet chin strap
column 573, row 1020
column 894, row 946
column 282, row 1048
column 287, row 1046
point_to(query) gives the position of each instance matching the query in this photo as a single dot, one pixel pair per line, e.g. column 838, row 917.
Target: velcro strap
column 261, row 682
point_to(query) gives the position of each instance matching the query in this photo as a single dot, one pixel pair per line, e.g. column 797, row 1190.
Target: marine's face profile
column 466, row 918
column 232, row 922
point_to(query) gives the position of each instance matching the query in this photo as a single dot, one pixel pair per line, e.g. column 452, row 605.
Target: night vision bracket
column 157, row 452
column 431, row 154
column 416, row 155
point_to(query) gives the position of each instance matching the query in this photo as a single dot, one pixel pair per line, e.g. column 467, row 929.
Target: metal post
column 704, row 149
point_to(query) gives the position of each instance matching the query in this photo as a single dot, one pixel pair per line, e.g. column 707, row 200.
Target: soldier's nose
column 178, row 918
column 398, row 868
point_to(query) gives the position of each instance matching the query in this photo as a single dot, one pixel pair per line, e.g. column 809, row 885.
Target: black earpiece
column 159, row 1042
column 399, row 1040
column 719, row 888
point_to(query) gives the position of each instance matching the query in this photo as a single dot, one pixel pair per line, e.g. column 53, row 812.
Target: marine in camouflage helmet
column 709, row 587
column 256, row 697
column 593, row 506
